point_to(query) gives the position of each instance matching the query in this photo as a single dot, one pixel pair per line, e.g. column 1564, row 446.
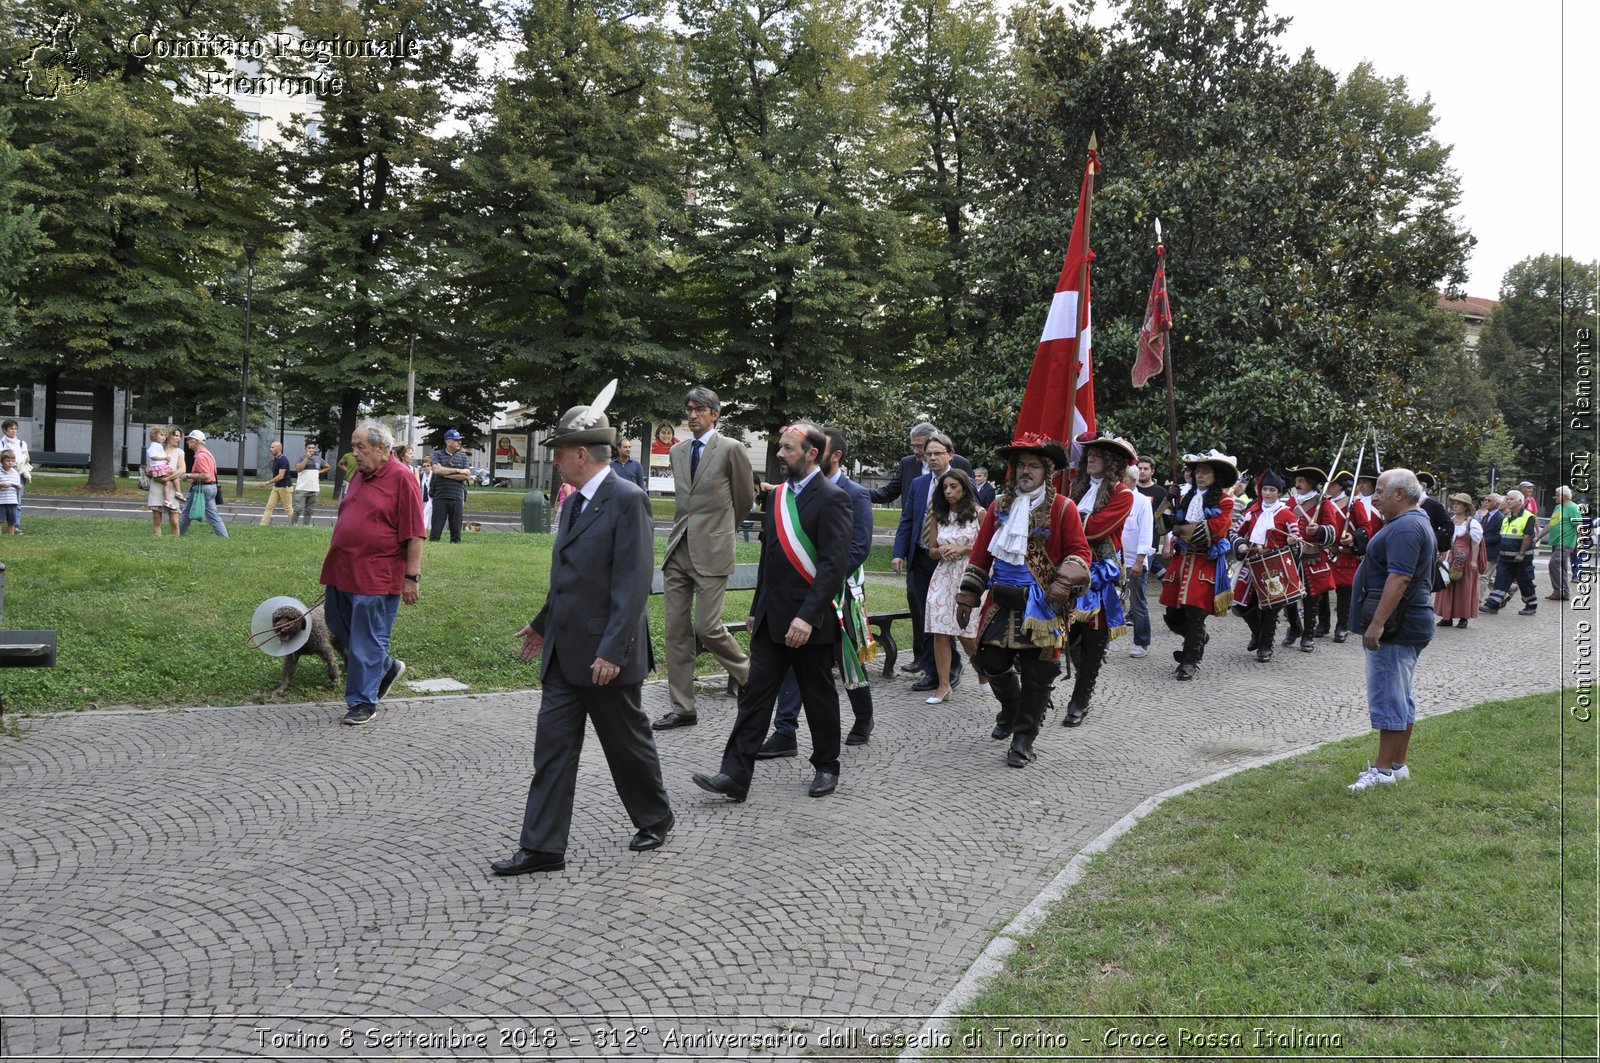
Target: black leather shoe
column 1462, row 622
column 776, row 746
column 720, row 784
column 1263, row 655
column 669, row 720
column 1252, row 647
column 911, row 666
column 526, row 861
column 652, row 837
column 1290, row 639
column 858, row 737
column 925, row 684
column 1021, row 752
column 825, row 783
column 1177, row 656
column 1000, row 731
column 1075, row 714
column 1340, row 634
column 1306, row 645
column 1187, row 671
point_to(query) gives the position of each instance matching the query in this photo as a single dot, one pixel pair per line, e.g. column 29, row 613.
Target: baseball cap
column 197, row 434
column 452, row 434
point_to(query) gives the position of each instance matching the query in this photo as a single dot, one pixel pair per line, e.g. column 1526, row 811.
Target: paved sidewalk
column 257, row 881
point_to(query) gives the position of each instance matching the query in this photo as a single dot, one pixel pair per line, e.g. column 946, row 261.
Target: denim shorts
column 1391, row 686
column 10, row 513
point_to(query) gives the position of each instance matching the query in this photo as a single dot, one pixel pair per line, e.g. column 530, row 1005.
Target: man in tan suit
column 715, row 488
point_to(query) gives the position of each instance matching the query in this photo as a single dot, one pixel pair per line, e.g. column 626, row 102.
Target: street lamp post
column 244, row 370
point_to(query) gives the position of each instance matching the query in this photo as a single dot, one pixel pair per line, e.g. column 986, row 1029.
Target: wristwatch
column 414, row 579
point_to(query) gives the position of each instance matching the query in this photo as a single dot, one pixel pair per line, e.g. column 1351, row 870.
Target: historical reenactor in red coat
column 1195, row 584
column 1345, row 559
column 1316, row 528
column 1267, row 527
column 1104, row 502
column 1032, row 557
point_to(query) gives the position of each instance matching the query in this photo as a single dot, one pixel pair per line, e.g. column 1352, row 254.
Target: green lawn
column 155, row 622
column 1433, row 919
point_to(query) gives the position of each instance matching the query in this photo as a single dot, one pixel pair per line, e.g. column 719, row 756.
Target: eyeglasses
column 1030, row 466
column 695, row 407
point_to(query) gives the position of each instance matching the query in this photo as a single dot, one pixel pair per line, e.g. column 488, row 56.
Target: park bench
column 23, row 649
column 744, row 579
column 61, row 459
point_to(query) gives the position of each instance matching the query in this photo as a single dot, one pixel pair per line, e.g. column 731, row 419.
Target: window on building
column 74, row 402
column 16, row 402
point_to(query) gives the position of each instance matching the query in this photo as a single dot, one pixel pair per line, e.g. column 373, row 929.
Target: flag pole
column 1172, row 403
column 1083, row 304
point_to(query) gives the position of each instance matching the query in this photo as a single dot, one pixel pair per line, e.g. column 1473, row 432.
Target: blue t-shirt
column 1405, row 547
column 281, row 464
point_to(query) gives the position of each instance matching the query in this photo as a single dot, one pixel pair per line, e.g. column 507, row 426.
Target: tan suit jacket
column 709, row 509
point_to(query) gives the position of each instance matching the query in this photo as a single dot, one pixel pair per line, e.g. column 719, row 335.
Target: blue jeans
column 1139, row 608
column 363, row 622
column 213, row 518
column 1392, row 686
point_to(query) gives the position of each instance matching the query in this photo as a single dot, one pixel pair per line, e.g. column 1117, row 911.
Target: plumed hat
column 1111, row 444
column 1034, row 443
column 587, row 424
column 1223, row 466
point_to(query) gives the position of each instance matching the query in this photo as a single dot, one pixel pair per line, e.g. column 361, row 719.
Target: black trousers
column 769, row 663
column 1086, row 648
column 1189, row 622
column 1341, row 608
column 625, row 737
column 447, row 509
column 1263, row 621
column 1023, row 697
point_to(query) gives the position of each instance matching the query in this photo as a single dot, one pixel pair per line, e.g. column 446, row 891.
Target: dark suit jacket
column 1444, row 529
column 985, row 494
column 913, row 517
column 860, row 522
column 910, row 469
column 600, row 588
column 781, row 592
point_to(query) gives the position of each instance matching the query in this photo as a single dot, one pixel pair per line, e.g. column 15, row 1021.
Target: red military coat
column 1283, row 523
column 1066, row 534
column 1345, row 562
column 1314, row 559
column 1191, row 578
column 1105, row 526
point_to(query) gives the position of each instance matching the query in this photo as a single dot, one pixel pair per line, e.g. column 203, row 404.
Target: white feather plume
column 596, row 408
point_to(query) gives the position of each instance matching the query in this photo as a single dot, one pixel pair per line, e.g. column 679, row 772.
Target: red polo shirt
column 205, row 466
column 378, row 515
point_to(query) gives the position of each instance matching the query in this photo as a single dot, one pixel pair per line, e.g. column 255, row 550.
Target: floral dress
column 946, row 581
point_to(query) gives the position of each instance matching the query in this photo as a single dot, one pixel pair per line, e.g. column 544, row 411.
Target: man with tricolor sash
column 1033, row 559
column 855, row 645
column 793, row 623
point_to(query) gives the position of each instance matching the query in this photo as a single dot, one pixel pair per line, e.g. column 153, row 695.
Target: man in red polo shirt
column 373, row 563
column 203, row 473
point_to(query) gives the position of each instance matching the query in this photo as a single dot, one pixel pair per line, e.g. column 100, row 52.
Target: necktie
column 575, row 503
column 694, row 459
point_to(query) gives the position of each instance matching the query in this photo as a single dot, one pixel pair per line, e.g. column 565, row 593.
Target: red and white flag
column 1065, row 341
column 1157, row 323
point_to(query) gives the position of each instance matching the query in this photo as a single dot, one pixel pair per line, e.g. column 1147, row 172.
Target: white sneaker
column 1370, row 778
column 1138, row 651
column 1402, row 773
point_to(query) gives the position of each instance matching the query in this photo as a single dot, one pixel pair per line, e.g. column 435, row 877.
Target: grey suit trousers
column 630, row 750
column 691, row 605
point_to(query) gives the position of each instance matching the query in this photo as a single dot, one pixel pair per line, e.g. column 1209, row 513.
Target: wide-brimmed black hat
column 1110, row 444
column 1033, row 442
column 1310, row 472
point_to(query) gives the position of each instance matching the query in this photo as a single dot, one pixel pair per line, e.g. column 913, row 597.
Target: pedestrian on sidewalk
column 1393, row 609
column 593, row 635
column 452, row 469
column 1516, row 559
column 204, row 475
column 1562, row 534
column 374, row 563
column 280, row 486
column 308, row 474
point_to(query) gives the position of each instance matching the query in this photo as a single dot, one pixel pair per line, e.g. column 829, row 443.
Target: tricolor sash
column 849, row 605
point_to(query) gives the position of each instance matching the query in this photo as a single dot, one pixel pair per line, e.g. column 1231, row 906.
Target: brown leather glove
column 1072, row 575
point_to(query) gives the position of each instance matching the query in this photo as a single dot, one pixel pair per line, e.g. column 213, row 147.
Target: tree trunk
column 102, row 440
column 349, row 408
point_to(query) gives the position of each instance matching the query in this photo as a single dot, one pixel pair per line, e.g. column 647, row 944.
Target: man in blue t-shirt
column 1392, row 606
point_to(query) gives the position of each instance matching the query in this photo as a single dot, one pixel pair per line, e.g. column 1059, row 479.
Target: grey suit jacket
column 600, row 588
column 709, row 508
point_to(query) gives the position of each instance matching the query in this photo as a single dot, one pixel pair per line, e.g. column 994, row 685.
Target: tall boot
column 1322, row 616
column 1037, row 675
column 1252, row 617
column 1194, row 640
column 1008, row 689
column 1266, row 632
column 1291, row 613
column 1308, row 624
column 1091, row 655
column 1021, row 752
column 1342, row 607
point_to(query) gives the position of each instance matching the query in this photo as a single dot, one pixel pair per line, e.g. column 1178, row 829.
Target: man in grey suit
column 715, row 488
column 594, row 635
